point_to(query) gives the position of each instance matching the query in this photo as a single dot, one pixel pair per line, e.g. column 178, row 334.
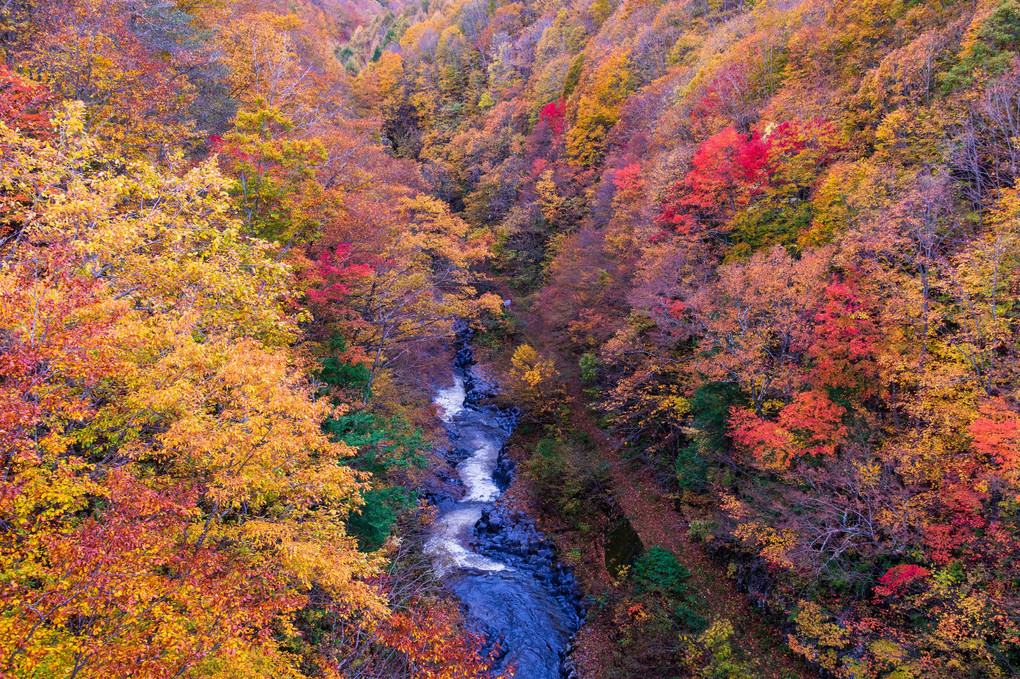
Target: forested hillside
column 780, row 238
column 760, row 260
column 211, row 272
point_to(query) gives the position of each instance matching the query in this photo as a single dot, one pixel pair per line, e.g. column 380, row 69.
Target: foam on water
column 449, row 535
column 451, row 399
column 476, row 473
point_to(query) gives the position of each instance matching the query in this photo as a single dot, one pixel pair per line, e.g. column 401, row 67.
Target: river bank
column 582, row 493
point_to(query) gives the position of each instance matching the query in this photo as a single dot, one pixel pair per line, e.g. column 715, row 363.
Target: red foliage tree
column 845, row 337
column 24, row 104
column 726, row 174
column 129, row 575
column 808, row 425
column 996, row 434
column 731, row 170
column 899, row 578
column 629, row 182
column 335, row 271
column 553, row 114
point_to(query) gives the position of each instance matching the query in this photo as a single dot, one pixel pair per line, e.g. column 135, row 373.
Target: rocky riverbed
column 501, row 567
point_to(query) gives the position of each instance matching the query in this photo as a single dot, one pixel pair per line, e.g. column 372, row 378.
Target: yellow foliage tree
column 598, row 109
column 532, row 378
column 169, row 494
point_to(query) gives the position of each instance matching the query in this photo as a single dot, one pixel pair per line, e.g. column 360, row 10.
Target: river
column 500, row 567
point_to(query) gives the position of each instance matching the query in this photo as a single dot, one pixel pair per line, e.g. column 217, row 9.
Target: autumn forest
column 479, row 339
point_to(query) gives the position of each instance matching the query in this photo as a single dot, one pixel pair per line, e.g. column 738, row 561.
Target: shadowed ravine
column 515, row 594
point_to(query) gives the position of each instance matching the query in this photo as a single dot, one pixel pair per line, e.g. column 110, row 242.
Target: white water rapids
column 453, row 530
column 450, row 400
column 506, row 604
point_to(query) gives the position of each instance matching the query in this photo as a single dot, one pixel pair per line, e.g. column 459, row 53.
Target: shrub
column 691, row 469
column 589, row 367
column 711, row 409
column 701, row 529
column 658, row 571
column 711, row 655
